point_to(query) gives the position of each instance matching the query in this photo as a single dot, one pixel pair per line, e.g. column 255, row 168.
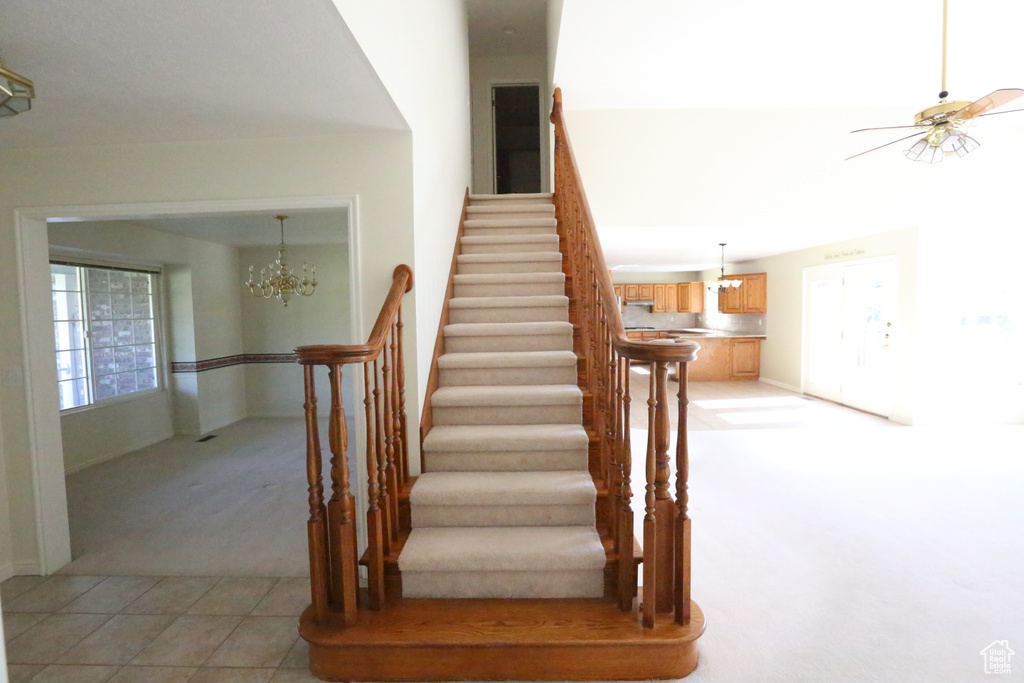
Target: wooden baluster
column 341, row 510
column 665, row 506
column 382, row 461
column 627, row 577
column 611, row 438
column 391, row 474
column 374, row 523
column 396, row 426
column 316, row 527
column 650, row 519
column 682, row 526
column 403, row 432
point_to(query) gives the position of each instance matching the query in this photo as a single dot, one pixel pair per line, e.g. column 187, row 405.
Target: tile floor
column 126, row 629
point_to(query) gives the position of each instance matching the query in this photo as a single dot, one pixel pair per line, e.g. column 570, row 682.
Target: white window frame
column 158, row 337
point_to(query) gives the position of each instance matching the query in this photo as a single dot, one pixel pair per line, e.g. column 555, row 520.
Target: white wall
column 375, row 167
column 420, row 51
column 781, row 352
column 276, row 389
column 486, row 72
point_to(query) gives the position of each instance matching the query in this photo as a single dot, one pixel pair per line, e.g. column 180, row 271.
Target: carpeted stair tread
column 541, row 198
column 494, row 223
column 502, row 329
column 502, row 549
column 511, row 257
column 514, row 395
column 509, row 278
column 510, row 359
column 512, row 239
column 503, row 488
column 487, row 209
column 504, row 438
column 508, row 301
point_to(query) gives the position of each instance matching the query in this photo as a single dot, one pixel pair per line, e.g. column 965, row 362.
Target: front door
column 848, row 334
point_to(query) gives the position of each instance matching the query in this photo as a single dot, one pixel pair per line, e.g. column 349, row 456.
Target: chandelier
column 280, row 281
column 16, row 92
column 721, row 283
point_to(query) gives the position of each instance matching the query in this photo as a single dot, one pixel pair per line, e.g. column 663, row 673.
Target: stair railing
column 600, row 339
column 333, row 545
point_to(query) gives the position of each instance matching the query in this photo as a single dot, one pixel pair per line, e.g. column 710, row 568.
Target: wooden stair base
column 500, row 640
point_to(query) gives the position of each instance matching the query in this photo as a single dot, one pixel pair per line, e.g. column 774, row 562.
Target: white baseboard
column 774, row 383
column 20, row 569
column 124, row 451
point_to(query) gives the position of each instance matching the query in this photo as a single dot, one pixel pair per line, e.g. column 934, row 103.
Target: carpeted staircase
column 505, row 506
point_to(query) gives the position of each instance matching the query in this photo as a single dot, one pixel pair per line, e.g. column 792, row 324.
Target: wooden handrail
column 600, row 341
column 325, row 354
column 333, row 542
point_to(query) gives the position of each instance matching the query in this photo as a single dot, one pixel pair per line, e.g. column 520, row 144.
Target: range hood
column 639, row 303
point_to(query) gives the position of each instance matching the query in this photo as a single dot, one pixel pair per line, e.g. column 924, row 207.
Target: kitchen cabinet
column 631, row 292
column 645, row 292
column 750, row 297
column 726, row 359
column 690, row 297
column 730, row 300
column 755, row 298
column 619, row 291
column 665, row 298
column 746, row 358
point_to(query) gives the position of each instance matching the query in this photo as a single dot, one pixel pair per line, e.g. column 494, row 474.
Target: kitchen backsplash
column 641, row 316
column 746, row 323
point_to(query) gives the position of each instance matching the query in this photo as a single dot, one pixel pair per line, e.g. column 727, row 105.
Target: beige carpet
column 235, row 505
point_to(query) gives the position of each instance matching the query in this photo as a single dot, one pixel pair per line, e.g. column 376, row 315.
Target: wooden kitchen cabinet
column 646, row 292
column 631, row 292
column 665, row 298
column 724, row 360
column 755, row 296
column 750, row 297
column 690, row 297
column 619, row 291
column 746, row 358
column 730, row 300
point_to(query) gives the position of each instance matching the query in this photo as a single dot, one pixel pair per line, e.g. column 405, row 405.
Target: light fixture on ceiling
column 16, row 92
column 509, row 30
column 721, row 283
column 281, row 282
column 941, row 126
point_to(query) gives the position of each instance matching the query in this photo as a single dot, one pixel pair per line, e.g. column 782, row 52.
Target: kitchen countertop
column 701, row 333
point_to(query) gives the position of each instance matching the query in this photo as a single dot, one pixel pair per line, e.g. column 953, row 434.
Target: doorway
column 515, row 110
column 849, row 323
column 49, row 494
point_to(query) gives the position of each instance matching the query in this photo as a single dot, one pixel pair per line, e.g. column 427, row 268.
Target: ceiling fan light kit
column 16, row 92
column 941, row 125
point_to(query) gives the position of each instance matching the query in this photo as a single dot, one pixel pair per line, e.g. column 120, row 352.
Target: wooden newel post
column 682, row 525
column 317, row 525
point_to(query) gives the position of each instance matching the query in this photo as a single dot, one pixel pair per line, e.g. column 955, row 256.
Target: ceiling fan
column 942, row 127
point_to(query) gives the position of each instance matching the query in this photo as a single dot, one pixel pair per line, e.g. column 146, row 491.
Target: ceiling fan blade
column 993, row 113
column 986, row 104
column 885, row 145
column 916, row 125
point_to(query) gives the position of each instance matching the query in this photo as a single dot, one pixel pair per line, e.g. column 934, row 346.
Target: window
column 105, row 332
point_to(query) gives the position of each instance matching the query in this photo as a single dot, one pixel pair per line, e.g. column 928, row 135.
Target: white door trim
column 40, row 380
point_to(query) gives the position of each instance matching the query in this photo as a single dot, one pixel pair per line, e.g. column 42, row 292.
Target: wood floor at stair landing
column 503, row 640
